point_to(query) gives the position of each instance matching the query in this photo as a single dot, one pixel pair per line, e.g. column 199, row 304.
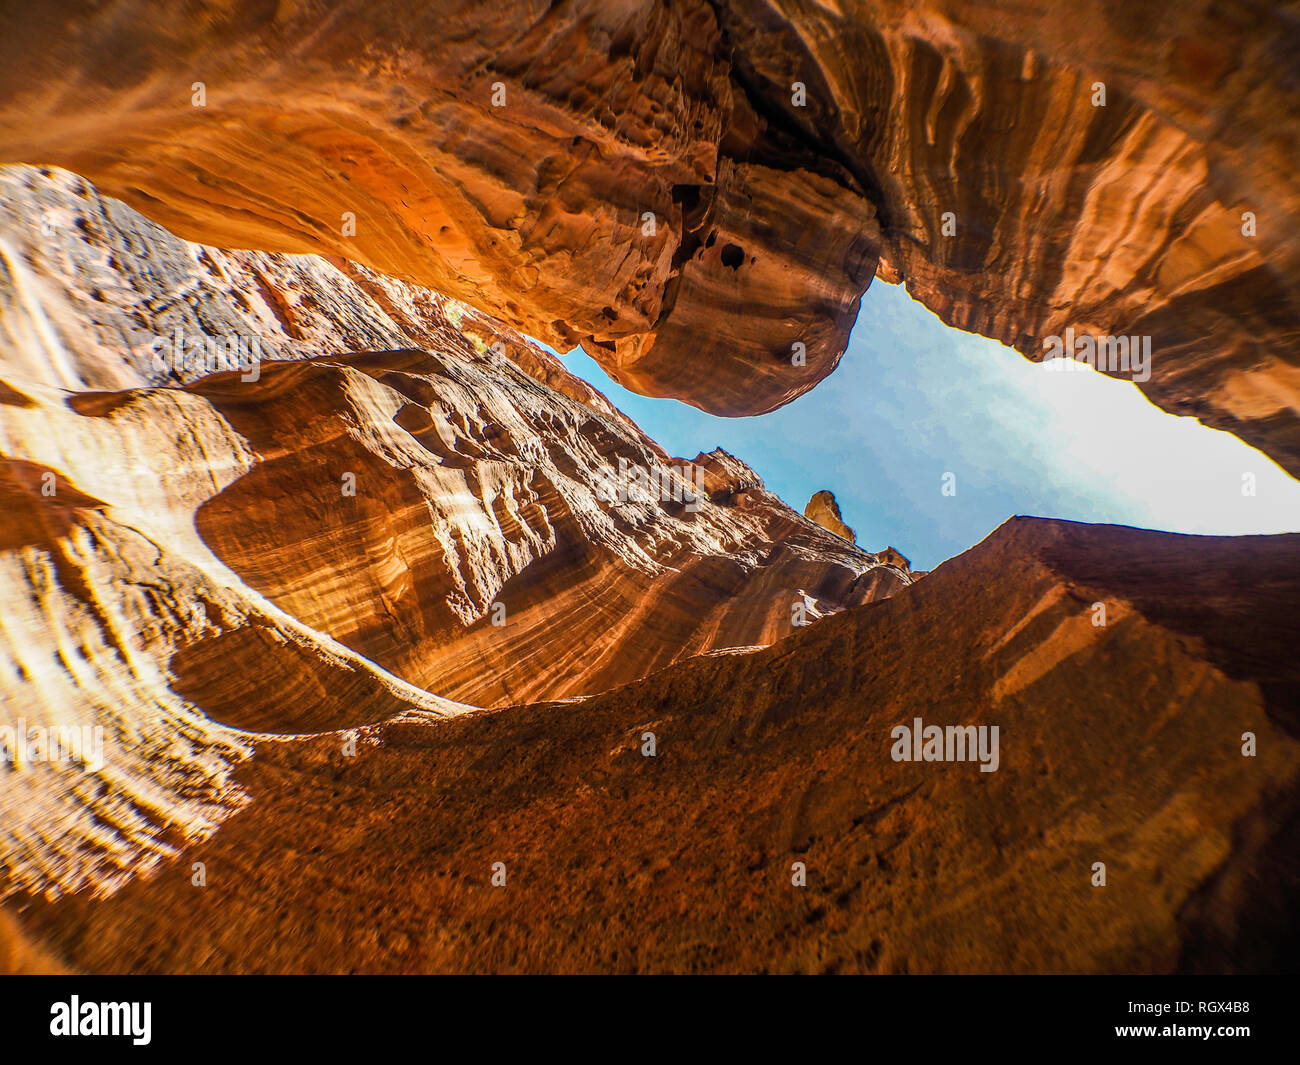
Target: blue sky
column 913, row 399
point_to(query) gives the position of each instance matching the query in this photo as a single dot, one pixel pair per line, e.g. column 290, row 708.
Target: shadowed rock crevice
column 256, row 679
column 38, row 505
column 1240, row 578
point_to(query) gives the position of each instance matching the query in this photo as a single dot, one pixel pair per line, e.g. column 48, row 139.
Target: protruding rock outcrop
column 894, row 557
column 825, row 511
column 698, row 191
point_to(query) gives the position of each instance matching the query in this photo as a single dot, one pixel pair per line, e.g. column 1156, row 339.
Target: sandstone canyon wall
column 1119, row 745
column 391, row 508
column 694, row 189
column 400, row 597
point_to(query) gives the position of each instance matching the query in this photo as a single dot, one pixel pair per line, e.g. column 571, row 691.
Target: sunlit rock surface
column 825, row 511
column 698, row 192
column 393, row 517
column 282, row 597
column 1118, row 744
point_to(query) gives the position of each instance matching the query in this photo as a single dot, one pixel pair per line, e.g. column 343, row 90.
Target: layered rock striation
column 249, row 493
column 335, row 581
column 699, row 191
column 1119, row 744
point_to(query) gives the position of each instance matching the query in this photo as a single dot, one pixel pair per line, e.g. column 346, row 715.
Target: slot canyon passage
column 346, row 628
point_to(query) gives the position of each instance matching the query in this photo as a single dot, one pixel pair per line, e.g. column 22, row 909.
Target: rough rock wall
column 451, row 511
column 771, row 210
column 1118, row 744
column 195, row 551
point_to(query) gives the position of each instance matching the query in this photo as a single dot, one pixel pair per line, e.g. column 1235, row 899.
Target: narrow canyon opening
column 930, row 437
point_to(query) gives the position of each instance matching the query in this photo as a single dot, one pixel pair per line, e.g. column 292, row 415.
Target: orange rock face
column 699, row 192
column 397, row 497
column 825, row 511
column 317, row 569
column 1118, row 744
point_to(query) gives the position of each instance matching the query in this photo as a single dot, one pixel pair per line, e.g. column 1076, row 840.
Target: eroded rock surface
column 283, row 595
column 698, row 192
column 399, row 511
column 825, row 511
column 1119, row 744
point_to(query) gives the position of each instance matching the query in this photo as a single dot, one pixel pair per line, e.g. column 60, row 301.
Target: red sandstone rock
column 825, row 511
column 1119, row 744
column 277, row 597
column 694, row 190
column 393, row 517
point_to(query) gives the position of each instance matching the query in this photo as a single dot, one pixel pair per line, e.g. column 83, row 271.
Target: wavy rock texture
column 190, row 558
column 1118, row 744
column 283, row 596
column 771, row 210
column 392, row 478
